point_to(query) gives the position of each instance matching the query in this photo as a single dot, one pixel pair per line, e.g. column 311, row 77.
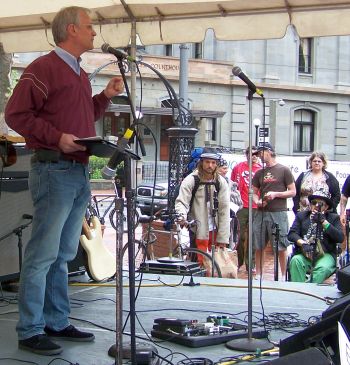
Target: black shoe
column 40, row 344
column 70, row 333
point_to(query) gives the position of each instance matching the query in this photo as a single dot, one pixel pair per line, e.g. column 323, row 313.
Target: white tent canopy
column 25, row 24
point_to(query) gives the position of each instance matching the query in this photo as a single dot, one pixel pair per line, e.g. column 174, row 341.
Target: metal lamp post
column 256, row 123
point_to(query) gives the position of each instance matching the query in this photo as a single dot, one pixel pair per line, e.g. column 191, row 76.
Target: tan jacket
column 199, row 209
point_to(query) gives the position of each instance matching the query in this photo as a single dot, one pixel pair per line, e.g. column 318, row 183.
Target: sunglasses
column 318, row 202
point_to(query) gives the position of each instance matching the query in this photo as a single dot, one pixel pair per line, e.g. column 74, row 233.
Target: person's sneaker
column 70, row 333
column 40, row 344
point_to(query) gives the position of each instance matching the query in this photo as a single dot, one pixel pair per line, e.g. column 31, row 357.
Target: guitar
column 101, row 264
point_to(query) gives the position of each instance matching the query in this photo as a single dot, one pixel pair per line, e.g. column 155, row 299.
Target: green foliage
column 97, row 163
column 14, row 77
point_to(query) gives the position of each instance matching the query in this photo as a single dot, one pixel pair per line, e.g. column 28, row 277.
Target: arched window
column 304, row 130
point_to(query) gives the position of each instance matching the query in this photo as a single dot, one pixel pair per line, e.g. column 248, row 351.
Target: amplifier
column 22, row 166
column 343, row 279
column 15, row 207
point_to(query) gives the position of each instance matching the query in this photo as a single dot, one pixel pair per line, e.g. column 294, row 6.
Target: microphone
column 106, row 48
column 237, row 71
column 108, row 171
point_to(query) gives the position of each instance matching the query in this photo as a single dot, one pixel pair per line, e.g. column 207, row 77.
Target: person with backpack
column 204, row 196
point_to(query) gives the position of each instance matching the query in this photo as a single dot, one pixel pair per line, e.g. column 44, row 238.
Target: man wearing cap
column 209, row 206
column 240, row 175
column 272, row 186
column 315, row 233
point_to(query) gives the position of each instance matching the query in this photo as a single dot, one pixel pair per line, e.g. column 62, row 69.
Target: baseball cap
column 266, row 146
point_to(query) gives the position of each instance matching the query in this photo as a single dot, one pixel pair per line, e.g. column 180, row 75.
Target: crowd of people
column 315, row 234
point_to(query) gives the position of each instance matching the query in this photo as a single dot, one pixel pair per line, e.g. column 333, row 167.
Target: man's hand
column 114, row 87
column 317, row 217
column 270, row 195
column 67, row 145
column 307, row 250
column 261, row 203
column 180, row 219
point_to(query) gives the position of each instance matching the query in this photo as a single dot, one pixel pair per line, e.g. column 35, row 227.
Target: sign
column 344, row 345
column 263, row 140
column 263, row 132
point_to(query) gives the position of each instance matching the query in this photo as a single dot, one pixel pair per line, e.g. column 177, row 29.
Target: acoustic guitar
column 101, row 264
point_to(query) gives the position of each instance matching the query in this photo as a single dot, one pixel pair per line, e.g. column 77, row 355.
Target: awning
column 25, row 24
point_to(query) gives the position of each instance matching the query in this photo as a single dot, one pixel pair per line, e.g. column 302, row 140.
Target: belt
column 42, row 155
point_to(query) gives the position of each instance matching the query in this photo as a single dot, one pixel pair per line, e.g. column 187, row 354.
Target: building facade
column 305, row 82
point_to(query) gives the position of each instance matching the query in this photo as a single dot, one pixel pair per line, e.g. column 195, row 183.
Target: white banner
column 297, row 165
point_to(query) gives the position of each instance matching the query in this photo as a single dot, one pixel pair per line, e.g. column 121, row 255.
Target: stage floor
column 93, row 308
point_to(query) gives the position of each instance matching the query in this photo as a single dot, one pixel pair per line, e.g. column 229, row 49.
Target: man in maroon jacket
column 51, row 107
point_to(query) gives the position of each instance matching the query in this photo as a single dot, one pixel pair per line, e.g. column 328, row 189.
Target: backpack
column 194, row 158
column 196, row 186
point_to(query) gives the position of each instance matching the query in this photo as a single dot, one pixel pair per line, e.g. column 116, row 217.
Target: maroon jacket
column 51, row 99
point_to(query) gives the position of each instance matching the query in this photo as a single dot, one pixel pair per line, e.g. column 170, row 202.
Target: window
column 197, row 50
column 305, row 52
column 211, row 131
column 168, row 50
column 304, row 130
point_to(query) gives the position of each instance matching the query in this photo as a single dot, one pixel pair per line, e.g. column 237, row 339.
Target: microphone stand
column 277, row 239
column 347, row 231
column 116, row 350
column 316, row 242
column 213, row 214
column 18, row 232
column 250, row 344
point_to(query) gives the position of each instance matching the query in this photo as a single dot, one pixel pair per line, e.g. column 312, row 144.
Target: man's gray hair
column 66, row 16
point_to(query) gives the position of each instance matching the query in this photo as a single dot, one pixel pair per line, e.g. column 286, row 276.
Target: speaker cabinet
column 15, row 204
column 22, row 166
column 311, row 356
column 323, row 334
column 343, row 279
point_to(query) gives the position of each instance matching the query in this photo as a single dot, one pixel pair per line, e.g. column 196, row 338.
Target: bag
column 227, row 261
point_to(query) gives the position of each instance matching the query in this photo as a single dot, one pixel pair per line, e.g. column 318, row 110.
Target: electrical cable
column 18, row 360
column 215, row 285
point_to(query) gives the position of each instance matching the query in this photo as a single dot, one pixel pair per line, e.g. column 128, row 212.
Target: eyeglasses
column 317, row 202
column 317, row 161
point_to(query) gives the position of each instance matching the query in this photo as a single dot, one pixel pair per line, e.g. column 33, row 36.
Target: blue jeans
column 60, row 193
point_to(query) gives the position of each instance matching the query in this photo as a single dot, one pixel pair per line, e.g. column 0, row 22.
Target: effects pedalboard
column 192, row 333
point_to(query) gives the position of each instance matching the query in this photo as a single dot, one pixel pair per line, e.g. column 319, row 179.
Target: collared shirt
column 69, row 59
